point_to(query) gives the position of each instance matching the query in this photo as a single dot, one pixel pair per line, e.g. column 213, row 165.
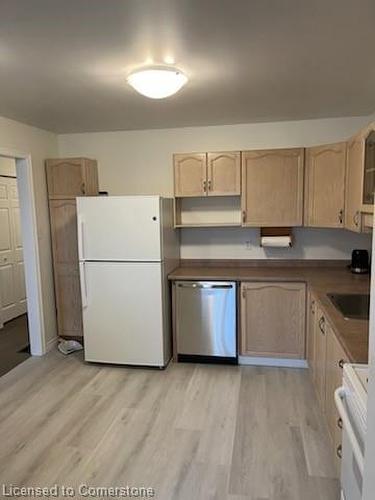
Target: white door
column 12, row 278
column 122, row 312
column 119, row 228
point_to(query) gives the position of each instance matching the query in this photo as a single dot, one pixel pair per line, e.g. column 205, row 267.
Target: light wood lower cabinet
column 310, row 333
column 326, row 364
column 273, row 319
column 320, row 353
column 335, row 360
column 63, row 216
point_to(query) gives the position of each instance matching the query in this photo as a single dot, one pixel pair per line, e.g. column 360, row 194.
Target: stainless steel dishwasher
column 205, row 321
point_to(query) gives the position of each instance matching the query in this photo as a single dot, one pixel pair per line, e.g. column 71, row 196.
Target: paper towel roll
column 276, row 241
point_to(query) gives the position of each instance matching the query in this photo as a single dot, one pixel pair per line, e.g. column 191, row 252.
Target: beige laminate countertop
column 352, row 334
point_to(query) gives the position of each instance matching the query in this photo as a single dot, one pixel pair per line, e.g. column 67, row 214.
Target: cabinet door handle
column 243, row 216
column 339, row 423
column 356, row 218
column 83, row 188
column 341, row 363
column 209, row 185
column 321, row 323
column 341, row 216
column 205, row 186
column 339, row 451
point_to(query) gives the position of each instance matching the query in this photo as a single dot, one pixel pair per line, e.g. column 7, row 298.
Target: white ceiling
column 63, row 63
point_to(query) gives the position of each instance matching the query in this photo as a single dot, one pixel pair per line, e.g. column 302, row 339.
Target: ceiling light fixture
column 157, row 82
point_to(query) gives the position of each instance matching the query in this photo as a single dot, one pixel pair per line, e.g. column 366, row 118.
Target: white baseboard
column 281, row 362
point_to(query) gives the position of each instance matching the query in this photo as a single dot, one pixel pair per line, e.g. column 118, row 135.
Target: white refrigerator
column 127, row 246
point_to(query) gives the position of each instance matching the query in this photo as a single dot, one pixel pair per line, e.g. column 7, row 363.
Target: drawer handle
column 339, row 423
column 339, row 451
column 341, row 363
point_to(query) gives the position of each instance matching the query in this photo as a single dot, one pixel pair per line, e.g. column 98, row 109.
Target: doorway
column 14, row 336
column 26, row 273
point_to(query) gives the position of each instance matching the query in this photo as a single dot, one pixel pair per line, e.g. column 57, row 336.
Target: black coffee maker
column 360, row 262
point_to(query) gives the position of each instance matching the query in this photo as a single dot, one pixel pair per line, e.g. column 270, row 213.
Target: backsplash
column 240, row 243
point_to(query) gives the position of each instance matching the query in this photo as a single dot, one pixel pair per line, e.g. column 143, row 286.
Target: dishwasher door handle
column 197, row 285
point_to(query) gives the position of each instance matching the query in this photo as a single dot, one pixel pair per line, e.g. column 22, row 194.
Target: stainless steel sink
column 351, row 306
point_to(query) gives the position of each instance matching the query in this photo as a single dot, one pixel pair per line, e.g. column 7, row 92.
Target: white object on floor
column 69, row 346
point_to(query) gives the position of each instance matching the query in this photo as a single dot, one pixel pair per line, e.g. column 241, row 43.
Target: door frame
column 33, row 281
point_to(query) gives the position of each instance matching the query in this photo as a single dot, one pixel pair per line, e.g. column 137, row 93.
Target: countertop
column 321, row 278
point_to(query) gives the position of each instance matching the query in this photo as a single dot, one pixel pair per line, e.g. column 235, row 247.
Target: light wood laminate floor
column 197, row 432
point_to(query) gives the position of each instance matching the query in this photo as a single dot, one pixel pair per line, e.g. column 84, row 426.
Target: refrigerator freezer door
column 119, row 228
column 122, row 317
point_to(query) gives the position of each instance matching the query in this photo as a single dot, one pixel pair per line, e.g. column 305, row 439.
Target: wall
column 41, row 145
column 8, row 167
column 140, row 162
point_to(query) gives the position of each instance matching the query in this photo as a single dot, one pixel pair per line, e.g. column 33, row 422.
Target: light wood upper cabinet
column 273, row 319
column 223, row 174
column 353, row 185
column 272, row 187
column 71, row 177
column 190, row 174
column 325, row 185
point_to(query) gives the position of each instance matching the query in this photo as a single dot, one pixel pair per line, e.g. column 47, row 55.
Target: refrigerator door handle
column 82, row 279
column 81, row 233
column 339, row 396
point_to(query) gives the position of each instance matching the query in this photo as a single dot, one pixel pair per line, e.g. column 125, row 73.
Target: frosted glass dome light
column 158, row 82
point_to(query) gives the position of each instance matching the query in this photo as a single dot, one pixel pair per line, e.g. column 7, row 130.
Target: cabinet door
column 325, row 185
column 320, row 353
column 63, row 218
column 335, row 360
column 369, row 170
column 190, row 174
column 272, row 187
column 353, row 183
column 311, row 313
column 91, row 181
column 71, row 177
column 223, row 174
column 273, row 319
